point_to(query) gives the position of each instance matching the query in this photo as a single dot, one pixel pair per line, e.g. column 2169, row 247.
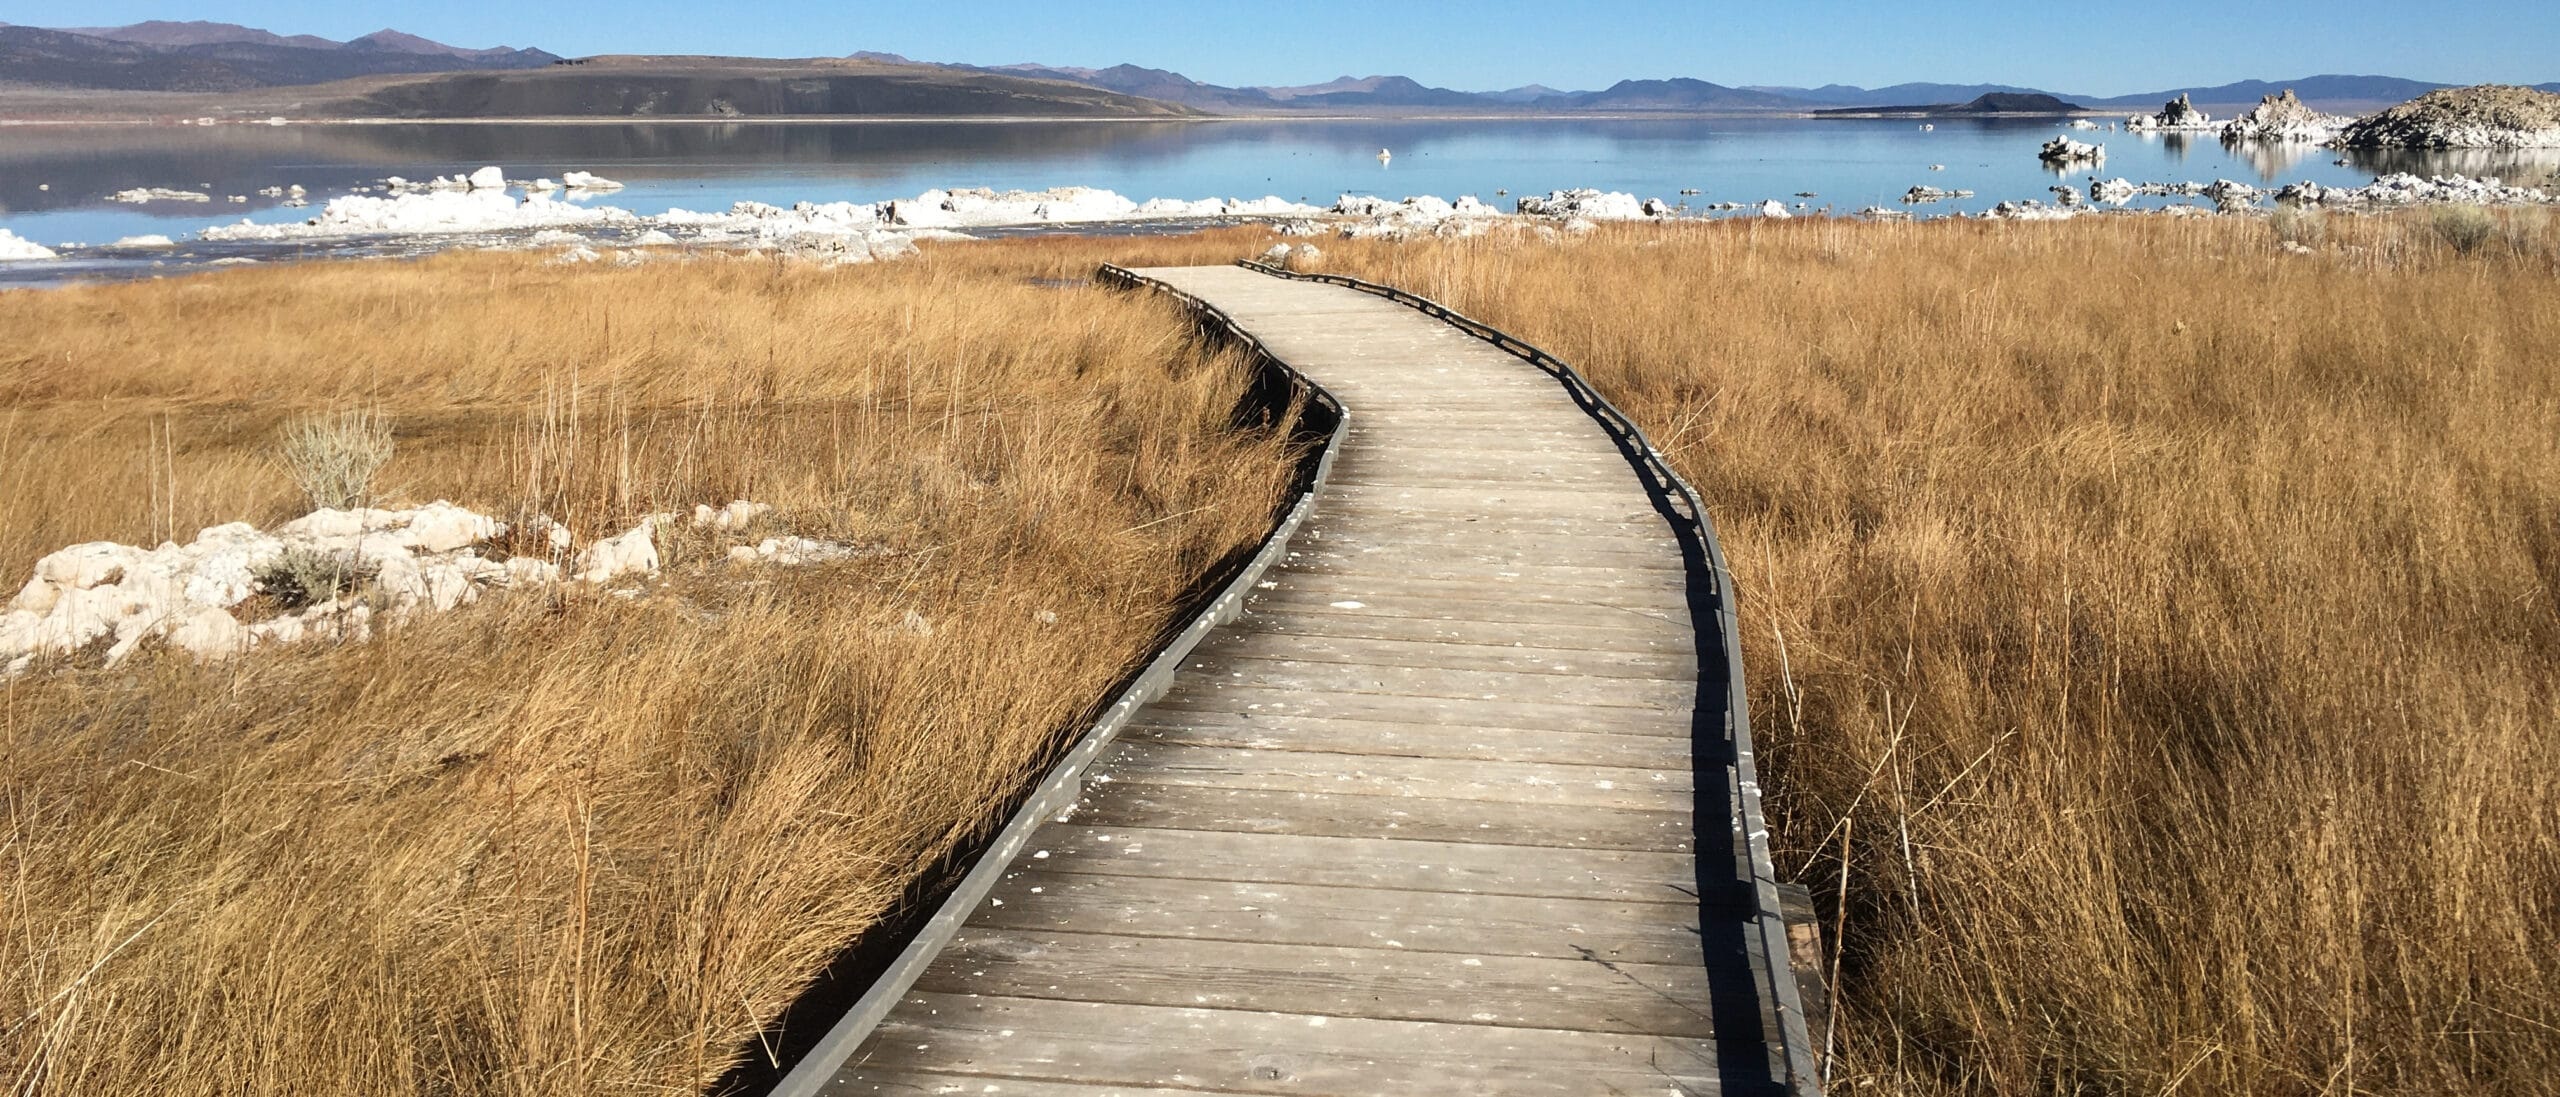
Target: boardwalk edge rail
column 1064, row 782
column 1803, row 1071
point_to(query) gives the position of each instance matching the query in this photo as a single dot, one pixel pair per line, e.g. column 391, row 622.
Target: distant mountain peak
column 164, row 55
column 398, row 41
column 198, row 32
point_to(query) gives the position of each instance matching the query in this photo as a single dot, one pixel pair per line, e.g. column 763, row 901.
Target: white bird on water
column 1384, row 156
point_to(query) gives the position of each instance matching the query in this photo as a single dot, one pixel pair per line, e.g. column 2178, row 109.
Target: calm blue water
column 1847, row 164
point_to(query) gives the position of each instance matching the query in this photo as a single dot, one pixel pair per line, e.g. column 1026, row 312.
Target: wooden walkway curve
column 1426, row 818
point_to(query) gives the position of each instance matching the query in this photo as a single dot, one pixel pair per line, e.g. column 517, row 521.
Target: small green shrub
column 2466, row 228
column 334, row 457
column 2296, row 225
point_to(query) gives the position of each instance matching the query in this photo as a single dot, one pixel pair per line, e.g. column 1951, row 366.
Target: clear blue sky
column 2089, row 49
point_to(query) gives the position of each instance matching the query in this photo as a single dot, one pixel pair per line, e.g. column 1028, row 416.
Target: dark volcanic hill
column 1679, row 94
column 707, row 87
column 2006, row 102
column 1851, row 95
column 165, row 56
column 1997, row 102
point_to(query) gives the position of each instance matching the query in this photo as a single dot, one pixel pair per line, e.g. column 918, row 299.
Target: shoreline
column 1021, row 119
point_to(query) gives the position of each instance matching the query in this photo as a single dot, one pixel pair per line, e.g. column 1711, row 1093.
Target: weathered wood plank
column 1641, row 529
column 1454, row 655
column 1395, row 776
column 1650, row 590
column 907, row 1083
column 1459, row 563
column 1197, row 696
column 1657, row 694
column 1577, row 994
column 1376, row 517
column 1392, row 864
column 1478, row 925
column 1336, row 735
column 1238, row 1051
column 1139, row 802
column 1273, row 617
column 1305, row 598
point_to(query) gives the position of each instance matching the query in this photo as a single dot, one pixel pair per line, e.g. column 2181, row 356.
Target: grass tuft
column 2465, row 228
column 335, row 457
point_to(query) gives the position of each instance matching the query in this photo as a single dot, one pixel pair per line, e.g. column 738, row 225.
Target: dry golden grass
column 574, row 843
column 2153, row 639
column 2154, row 636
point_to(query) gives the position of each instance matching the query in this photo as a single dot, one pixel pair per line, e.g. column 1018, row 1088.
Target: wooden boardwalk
column 1422, row 820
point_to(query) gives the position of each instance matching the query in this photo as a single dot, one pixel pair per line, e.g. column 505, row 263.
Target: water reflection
column 1852, row 163
column 2522, row 167
column 2276, row 161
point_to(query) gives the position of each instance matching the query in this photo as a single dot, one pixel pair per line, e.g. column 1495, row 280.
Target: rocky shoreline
column 2491, row 116
column 485, row 208
column 2488, row 116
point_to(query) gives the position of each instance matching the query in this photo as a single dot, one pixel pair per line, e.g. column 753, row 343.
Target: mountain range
column 197, row 56
column 219, row 57
column 1377, row 93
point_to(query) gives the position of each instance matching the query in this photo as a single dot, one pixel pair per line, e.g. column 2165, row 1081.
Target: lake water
column 54, row 179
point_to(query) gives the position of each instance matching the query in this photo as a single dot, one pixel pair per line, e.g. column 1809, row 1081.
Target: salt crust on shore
column 853, row 231
column 425, row 559
column 458, row 207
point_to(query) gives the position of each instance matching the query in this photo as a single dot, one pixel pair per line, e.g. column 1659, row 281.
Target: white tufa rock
column 2284, row 118
column 634, row 552
column 1589, row 204
column 2027, row 210
column 2177, row 114
column 738, row 513
column 429, row 213
column 2063, row 150
column 420, row 560
column 2405, row 189
column 1774, row 208
column 1423, row 215
column 140, row 195
column 124, row 595
column 579, row 180
column 792, row 551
